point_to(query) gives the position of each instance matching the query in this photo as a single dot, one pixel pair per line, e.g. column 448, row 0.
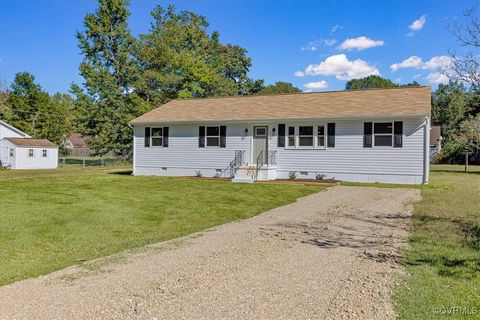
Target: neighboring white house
column 378, row 135
column 19, row 151
column 9, row 131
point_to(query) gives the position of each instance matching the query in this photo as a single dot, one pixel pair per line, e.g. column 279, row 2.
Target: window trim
column 12, row 153
column 33, row 153
column 315, row 136
column 156, row 137
column 210, row 136
column 374, row 135
column 44, row 153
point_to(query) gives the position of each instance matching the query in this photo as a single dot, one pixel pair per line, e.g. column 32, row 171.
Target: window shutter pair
column 397, row 134
column 223, row 136
column 148, row 136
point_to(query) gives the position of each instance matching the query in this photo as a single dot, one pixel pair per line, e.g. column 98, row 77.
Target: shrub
column 216, row 175
column 198, row 174
column 292, row 175
column 320, row 176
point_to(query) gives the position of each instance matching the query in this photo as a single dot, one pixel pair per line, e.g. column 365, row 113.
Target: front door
column 260, row 143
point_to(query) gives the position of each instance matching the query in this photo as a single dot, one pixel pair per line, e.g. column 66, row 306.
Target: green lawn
column 443, row 260
column 50, row 219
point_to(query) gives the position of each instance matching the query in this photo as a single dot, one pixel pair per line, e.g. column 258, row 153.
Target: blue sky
column 316, row 45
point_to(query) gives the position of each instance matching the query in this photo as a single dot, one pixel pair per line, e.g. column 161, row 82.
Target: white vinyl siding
column 348, row 160
column 184, row 154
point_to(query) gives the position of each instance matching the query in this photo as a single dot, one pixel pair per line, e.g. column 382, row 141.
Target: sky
column 316, row 45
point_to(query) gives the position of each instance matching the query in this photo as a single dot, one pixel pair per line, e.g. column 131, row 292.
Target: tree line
column 126, row 76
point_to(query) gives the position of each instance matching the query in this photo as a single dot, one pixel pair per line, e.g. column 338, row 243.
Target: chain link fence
column 93, row 161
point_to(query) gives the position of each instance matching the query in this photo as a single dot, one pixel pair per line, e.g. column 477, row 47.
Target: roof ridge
column 296, row 93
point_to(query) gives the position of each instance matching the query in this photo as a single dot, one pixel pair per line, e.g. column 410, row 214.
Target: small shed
column 28, row 153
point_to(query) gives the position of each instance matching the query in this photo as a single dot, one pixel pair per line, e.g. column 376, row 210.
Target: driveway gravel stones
column 330, row 255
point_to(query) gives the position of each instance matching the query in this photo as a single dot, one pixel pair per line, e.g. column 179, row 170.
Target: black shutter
column 147, row 137
column 201, row 137
column 367, row 134
column 223, row 136
column 331, row 135
column 165, row 137
column 281, row 136
column 398, row 134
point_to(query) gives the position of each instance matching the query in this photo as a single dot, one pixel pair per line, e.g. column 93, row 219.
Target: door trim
column 254, row 127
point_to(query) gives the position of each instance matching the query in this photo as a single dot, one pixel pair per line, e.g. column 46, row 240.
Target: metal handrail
column 235, row 164
column 260, row 163
column 272, row 158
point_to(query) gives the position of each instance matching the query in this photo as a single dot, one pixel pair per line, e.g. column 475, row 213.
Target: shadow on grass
column 122, row 172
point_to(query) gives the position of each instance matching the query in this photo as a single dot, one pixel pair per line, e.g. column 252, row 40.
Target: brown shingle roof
column 77, row 141
column 28, row 142
column 407, row 101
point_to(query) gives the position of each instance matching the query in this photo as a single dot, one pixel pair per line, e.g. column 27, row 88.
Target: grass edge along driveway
column 52, row 219
column 443, row 258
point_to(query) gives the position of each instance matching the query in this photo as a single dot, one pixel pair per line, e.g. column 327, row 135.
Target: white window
column 12, row 152
column 44, row 153
column 30, row 153
column 213, row 136
column 321, row 136
column 306, row 137
column 291, row 137
column 383, row 134
column 157, row 137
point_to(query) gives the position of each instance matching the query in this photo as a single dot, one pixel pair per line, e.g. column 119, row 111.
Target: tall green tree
column 369, row 82
column 450, row 106
column 107, row 100
column 33, row 111
column 180, row 59
column 280, row 87
column 28, row 104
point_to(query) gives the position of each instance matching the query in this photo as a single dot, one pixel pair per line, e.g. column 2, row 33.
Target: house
column 377, row 135
column 7, row 130
column 19, row 151
column 75, row 145
column 435, row 141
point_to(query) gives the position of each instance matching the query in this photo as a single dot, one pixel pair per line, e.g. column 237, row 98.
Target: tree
column 450, row 106
column 466, row 66
column 108, row 101
column 280, row 87
column 369, row 82
column 28, row 104
column 469, row 135
column 180, row 59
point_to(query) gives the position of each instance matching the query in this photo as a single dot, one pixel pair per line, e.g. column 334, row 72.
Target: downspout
column 426, row 164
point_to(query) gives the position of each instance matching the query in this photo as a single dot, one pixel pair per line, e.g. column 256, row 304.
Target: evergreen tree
column 108, row 102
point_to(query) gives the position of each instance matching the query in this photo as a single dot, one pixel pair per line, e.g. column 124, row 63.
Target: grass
column 443, row 259
column 51, row 219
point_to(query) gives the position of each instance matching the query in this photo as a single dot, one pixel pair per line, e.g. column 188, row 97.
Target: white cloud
column 299, row 74
column 418, row 24
column 311, row 86
column 342, row 68
column 417, row 63
column 360, row 43
column 329, row 42
column 335, row 28
column 437, row 78
column 315, row 44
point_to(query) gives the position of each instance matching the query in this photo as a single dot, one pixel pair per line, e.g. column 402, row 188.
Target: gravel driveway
column 330, row 255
